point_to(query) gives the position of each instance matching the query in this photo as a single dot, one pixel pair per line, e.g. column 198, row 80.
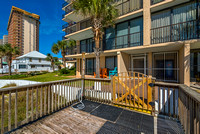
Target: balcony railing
column 68, row 10
column 68, row 24
column 73, row 27
column 65, row 4
column 129, row 6
column 130, row 40
column 156, row 1
column 175, row 32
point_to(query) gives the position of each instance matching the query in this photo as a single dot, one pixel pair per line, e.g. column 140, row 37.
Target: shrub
column 64, row 71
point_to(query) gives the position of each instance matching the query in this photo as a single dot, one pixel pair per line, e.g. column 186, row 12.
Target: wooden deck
column 101, row 119
column 65, row 121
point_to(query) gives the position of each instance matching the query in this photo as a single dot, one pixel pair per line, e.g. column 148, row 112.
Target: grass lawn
column 46, row 77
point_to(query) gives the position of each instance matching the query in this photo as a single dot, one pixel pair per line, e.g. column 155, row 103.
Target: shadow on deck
column 102, row 119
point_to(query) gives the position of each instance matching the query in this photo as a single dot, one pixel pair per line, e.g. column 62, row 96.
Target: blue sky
column 50, row 12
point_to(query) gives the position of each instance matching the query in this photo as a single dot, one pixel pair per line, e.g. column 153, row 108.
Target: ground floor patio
column 102, row 119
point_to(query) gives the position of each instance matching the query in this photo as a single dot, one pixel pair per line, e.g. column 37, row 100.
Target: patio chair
column 113, row 72
column 104, row 73
column 100, row 70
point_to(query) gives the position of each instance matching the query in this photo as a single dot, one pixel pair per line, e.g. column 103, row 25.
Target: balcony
column 125, row 41
column 123, row 7
column 129, row 6
column 79, row 33
column 64, row 4
column 49, row 107
column 156, row 1
column 175, row 32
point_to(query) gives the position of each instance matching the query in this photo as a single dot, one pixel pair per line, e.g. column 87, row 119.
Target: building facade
column 23, row 30
column 5, row 39
column 155, row 37
column 30, row 62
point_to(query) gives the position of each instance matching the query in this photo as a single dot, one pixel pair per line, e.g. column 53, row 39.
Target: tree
column 102, row 13
column 52, row 59
column 1, row 54
column 62, row 46
column 10, row 52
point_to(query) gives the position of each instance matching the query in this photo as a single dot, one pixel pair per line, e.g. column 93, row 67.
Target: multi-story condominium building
column 23, row 30
column 154, row 37
column 5, row 39
column 1, row 41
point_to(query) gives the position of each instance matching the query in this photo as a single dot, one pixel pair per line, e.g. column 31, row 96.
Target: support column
column 184, row 64
column 146, row 22
column 150, row 66
column 78, row 72
column 123, row 61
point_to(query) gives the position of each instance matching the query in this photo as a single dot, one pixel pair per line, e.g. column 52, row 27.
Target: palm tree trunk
column 9, row 65
column 97, row 53
column 64, row 60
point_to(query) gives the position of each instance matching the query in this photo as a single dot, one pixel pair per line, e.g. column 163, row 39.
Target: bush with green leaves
column 67, row 72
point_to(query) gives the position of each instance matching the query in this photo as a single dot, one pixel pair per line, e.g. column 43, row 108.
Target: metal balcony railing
column 68, row 10
column 175, row 32
column 64, row 4
column 129, row 40
column 68, row 24
column 73, row 27
column 129, row 6
column 156, row 1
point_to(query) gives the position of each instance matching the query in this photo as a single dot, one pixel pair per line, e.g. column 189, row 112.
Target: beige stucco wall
column 29, row 34
column 123, row 61
column 184, row 64
column 146, row 22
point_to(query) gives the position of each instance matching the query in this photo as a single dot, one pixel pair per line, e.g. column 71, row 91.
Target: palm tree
column 1, row 54
column 102, row 13
column 52, row 59
column 10, row 52
column 62, row 46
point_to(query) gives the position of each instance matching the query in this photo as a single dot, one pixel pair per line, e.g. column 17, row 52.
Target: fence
column 21, row 105
column 24, row 104
column 180, row 102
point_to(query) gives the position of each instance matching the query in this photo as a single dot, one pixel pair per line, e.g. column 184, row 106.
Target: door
column 139, row 64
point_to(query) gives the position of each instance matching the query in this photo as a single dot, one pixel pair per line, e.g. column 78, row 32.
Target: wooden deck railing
column 181, row 102
column 24, row 104
column 98, row 90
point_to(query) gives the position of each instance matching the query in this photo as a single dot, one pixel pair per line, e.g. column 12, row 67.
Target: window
column 39, row 60
column 33, row 66
column 126, row 34
column 87, row 46
column 179, row 23
column 109, row 38
column 90, row 66
column 111, row 62
column 122, row 35
column 165, row 66
column 22, row 66
column 30, row 59
column 195, row 66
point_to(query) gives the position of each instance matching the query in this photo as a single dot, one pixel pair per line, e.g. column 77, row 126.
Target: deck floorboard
column 101, row 119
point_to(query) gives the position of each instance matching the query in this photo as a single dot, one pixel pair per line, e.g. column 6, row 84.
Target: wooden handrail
column 21, row 88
